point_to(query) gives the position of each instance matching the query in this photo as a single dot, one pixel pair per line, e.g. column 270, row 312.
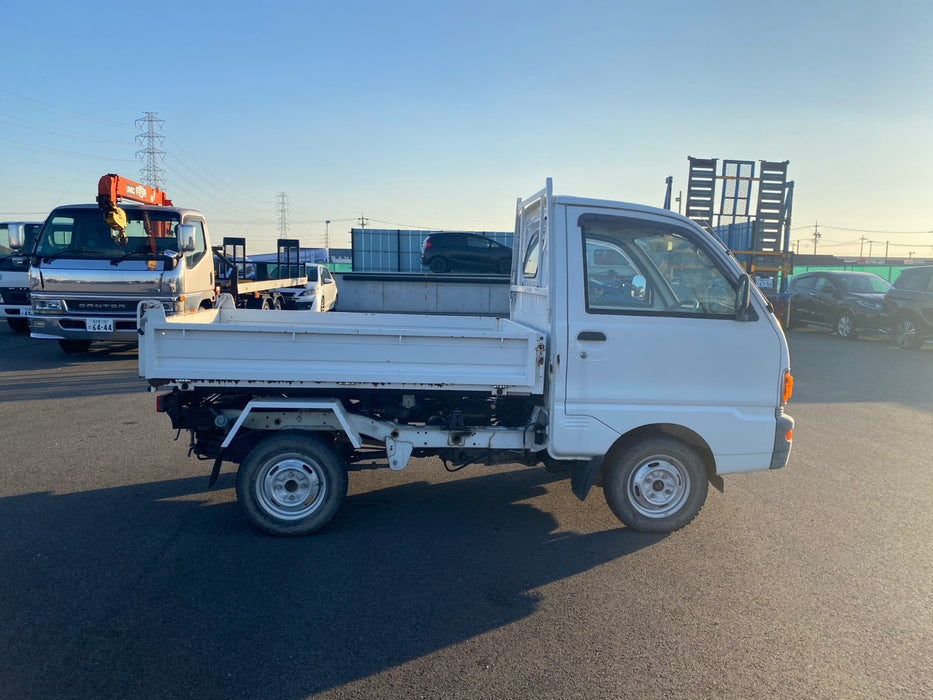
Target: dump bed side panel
column 252, row 348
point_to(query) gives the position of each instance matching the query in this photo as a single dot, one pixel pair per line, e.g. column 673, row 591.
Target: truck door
column 199, row 272
column 653, row 338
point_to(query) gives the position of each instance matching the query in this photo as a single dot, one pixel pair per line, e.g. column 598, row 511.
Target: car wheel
column 291, row 484
column 438, row 264
column 845, row 325
column 658, row 485
column 905, row 333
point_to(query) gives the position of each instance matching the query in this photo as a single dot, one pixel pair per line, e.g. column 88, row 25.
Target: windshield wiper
column 52, row 256
column 145, row 250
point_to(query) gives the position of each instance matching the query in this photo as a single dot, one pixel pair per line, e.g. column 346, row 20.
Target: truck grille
column 15, row 295
column 100, row 306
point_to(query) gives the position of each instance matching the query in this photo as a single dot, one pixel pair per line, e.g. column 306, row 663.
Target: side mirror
column 743, row 300
column 639, row 287
column 17, row 235
column 186, row 234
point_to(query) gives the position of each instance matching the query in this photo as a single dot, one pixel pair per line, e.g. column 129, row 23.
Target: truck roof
column 135, row 207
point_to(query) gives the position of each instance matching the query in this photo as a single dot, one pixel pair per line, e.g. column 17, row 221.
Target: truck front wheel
column 18, row 325
column 658, row 485
column 74, row 347
column 291, row 484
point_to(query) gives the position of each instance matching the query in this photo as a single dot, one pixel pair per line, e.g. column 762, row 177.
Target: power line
column 47, row 106
column 859, row 230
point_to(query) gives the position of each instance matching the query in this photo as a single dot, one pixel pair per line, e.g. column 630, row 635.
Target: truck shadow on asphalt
column 153, row 588
column 38, row 370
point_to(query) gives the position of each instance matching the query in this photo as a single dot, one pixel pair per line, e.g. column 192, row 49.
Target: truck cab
column 683, row 347
column 16, row 242
column 86, row 281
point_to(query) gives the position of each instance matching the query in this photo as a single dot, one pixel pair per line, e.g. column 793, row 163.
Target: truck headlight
column 48, row 305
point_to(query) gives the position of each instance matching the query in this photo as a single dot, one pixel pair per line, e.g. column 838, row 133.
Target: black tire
column 845, row 325
column 658, row 485
column 438, row 264
column 74, row 347
column 266, row 304
column 905, row 333
column 277, row 304
column 292, row 483
column 505, row 267
column 18, row 325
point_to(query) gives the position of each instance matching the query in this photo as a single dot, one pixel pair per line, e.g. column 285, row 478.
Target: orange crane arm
column 112, row 188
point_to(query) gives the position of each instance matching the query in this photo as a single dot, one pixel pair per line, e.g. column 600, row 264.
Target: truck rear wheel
column 291, row 484
column 658, row 485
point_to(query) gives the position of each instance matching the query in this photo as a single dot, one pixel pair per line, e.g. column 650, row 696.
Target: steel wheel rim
column 290, row 489
column 905, row 333
column 658, row 487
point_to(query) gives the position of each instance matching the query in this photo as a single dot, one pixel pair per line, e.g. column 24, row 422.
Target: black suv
column 465, row 251
column 848, row 302
column 908, row 306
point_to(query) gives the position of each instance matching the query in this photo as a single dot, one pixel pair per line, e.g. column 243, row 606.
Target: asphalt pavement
column 124, row 576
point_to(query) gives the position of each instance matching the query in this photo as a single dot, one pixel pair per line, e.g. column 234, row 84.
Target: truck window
column 635, row 266
column 193, row 257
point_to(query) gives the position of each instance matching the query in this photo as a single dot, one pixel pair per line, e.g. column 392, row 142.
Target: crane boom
column 112, row 188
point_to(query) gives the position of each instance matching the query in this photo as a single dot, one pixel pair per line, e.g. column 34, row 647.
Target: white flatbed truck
column 615, row 366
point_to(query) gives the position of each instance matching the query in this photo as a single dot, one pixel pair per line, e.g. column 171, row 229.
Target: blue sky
column 440, row 114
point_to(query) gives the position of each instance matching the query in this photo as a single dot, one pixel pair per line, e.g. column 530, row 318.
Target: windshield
column 83, row 233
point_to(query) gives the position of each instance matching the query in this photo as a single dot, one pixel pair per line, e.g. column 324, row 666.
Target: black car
column 468, row 252
column 847, row 302
column 908, row 306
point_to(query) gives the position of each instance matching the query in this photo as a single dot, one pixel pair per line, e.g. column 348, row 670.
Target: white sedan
column 319, row 295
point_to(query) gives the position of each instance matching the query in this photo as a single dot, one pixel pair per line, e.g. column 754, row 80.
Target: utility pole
column 816, row 236
column 282, row 200
column 363, row 221
column 152, row 153
column 327, row 237
column 861, row 247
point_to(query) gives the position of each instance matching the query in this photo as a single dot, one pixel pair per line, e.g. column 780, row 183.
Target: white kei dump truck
column 637, row 356
column 91, row 265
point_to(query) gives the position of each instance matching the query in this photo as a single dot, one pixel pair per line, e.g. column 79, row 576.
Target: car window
column 636, row 267
column 913, row 281
column 803, row 283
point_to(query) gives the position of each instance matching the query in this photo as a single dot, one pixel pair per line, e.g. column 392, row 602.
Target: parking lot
column 125, row 577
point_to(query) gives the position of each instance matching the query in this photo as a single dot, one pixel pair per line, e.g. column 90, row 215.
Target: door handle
column 591, row 335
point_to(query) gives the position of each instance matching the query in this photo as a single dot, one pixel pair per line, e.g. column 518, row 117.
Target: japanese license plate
column 100, row 325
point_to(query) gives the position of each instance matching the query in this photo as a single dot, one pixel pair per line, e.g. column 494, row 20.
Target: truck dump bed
column 250, row 348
